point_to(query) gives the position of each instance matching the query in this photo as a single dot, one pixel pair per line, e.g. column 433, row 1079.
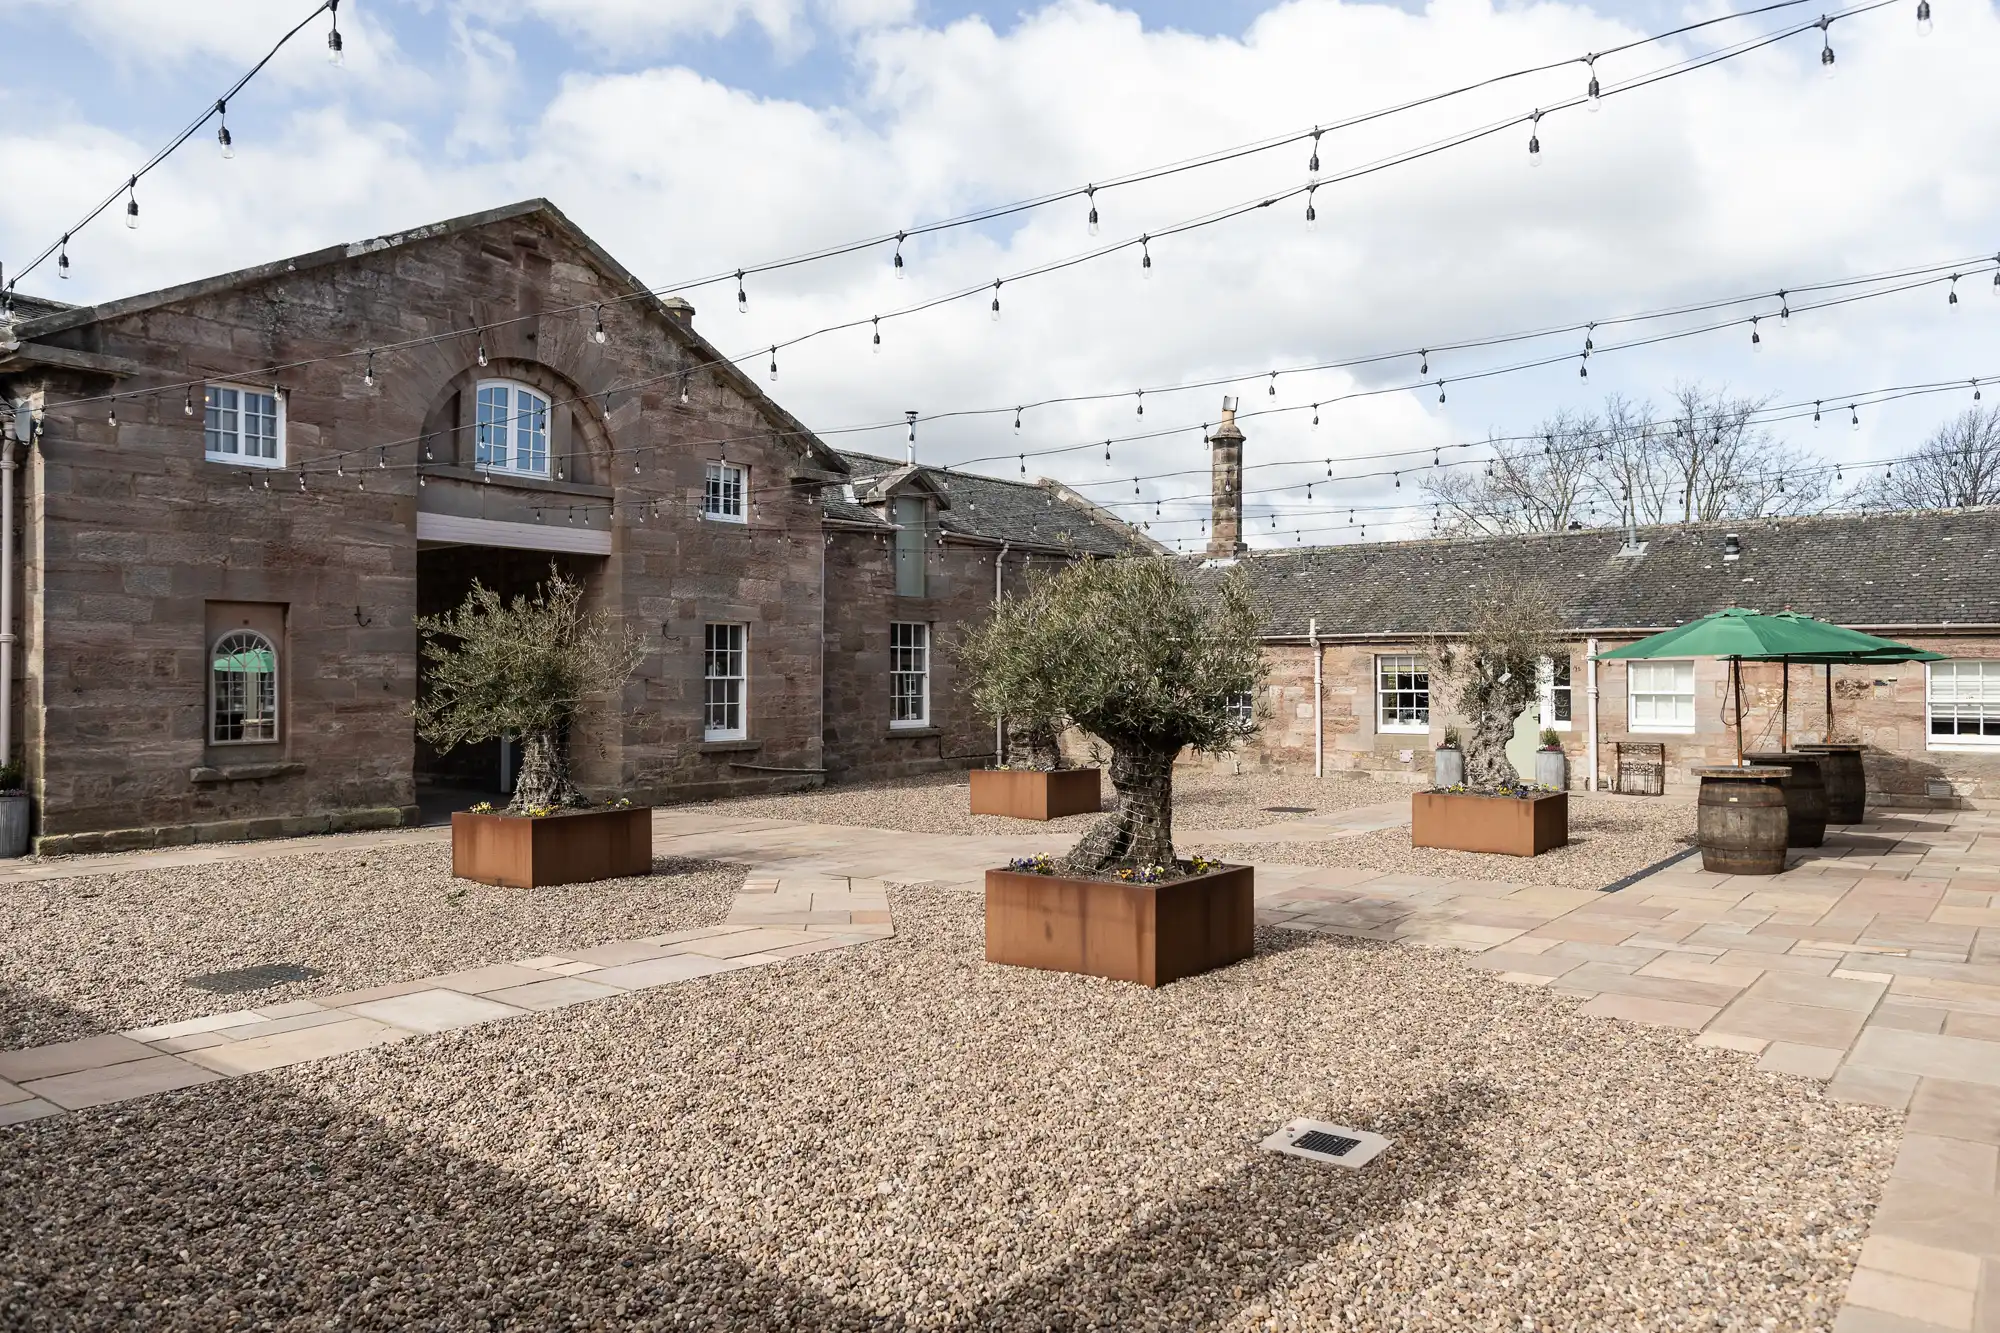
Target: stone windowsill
column 913, row 733
column 206, row 773
column 731, row 747
column 516, row 481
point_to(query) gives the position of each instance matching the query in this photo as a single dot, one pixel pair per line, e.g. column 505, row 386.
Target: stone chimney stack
column 1225, row 464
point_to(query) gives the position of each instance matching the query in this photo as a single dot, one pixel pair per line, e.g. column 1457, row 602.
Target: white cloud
column 1741, row 178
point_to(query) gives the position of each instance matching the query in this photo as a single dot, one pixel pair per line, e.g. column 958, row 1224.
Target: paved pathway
column 1873, row 962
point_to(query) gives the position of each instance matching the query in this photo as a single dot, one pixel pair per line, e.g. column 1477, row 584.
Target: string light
column 111, row 419
column 1825, row 26
column 187, row 403
column 774, row 361
column 1535, row 138
column 1090, row 193
column 1017, row 425
column 1924, row 24
column 1107, row 456
column 1784, row 310
column 1856, row 422
column 742, row 297
column 62, row 259
column 222, row 130
column 684, row 388
column 996, row 300
column 598, row 335
column 1139, row 408
column 910, row 415
column 878, row 333
column 1274, row 384
column 482, row 350
column 1315, row 414
column 1312, row 215
column 1145, row 257
column 132, row 203
column 1024, row 465
column 1440, row 391
column 1756, row 343
column 1951, row 293
column 1313, row 165
column 368, row 373
column 895, row 264
column 1815, row 415
column 1975, row 391
column 1423, row 361
column 336, row 54
column 1593, row 96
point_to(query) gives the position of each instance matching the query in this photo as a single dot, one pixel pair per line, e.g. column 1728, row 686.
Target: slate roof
column 28, row 307
column 1879, row 570
column 987, row 507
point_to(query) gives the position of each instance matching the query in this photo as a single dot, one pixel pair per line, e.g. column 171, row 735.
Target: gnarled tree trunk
column 1140, row 829
column 1033, row 745
column 544, row 779
column 1494, row 707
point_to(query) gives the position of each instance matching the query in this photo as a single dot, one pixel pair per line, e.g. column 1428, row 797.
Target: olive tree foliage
column 1143, row 654
column 521, row 668
column 1492, row 673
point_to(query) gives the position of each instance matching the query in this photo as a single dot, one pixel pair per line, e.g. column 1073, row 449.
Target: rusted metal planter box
column 1148, row 933
column 1509, row 825
column 571, row 848
column 1025, row 793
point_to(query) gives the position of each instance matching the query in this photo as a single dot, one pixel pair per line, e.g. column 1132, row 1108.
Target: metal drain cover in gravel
column 1317, row 1141
column 1288, row 809
column 245, row 979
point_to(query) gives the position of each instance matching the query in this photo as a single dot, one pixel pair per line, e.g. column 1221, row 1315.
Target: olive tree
column 521, row 668
column 1493, row 673
column 1144, row 655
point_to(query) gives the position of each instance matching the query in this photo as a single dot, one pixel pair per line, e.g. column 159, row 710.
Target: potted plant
column 1150, row 662
column 524, row 668
column 1448, row 761
column 1491, row 675
column 1033, row 781
column 13, row 811
column 1551, row 763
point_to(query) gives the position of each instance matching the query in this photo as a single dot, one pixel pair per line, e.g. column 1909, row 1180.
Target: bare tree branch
column 1958, row 467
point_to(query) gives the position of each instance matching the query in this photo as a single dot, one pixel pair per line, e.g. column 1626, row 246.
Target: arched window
column 511, row 429
column 243, row 689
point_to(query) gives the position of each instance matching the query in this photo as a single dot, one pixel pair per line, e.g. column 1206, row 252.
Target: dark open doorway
column 445, row 574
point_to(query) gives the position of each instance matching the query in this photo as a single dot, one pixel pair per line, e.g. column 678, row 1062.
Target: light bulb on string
column 897, row 263
column 1593, row 95
column 187, row 403
column 1107, row 453
column 1583, row 368
column 1440, row 391
column 1312, row 214
column 597, row 334
column 1975, row 391
column 774, row 361
column 1756, row 342
column 1313, row 165
column 336, row 50
column 368, row 373
column 482, row 351
column 62, row 261
column 1145, row 257
column 1855, row 416
column 1423, row 361
column 1924, row 24
column 877, row 321
column 742, row 296
column 910, row 415
column 1815, row 413
column 684, row 389
column 222, row 135
column 422, row 481
column 1535, row 139
column 132, row 203
column 111, row 418
column 1017, row 425
column 1139, row 407
column 1274, row 384
column 1784, row 310
column 1090, row 193
column 1315, row 414
column 1826, row 51
column 1024, row 465
column 996, row 300
column 1951, row 294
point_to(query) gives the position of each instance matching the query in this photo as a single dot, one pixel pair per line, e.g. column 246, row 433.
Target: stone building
column 233, row 510
column 1348, row 689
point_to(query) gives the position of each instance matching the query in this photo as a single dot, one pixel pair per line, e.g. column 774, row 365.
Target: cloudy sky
column 693, row 137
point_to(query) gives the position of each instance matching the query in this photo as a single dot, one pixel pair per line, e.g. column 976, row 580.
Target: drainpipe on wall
column 1319, row 726
column 1590, row 657
column 23, row 427
column 999, row 723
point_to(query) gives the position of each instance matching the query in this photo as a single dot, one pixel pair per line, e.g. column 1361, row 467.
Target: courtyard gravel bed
column 1609, row 838
column 940, row 803
column 90, row 953
column 902, row 1136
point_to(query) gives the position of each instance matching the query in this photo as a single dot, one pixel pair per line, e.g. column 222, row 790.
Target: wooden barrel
column 1805, row 794
column 1846, row 780
column 1742, row 821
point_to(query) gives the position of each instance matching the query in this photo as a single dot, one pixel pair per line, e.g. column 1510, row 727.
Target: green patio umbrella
column 1736, row 634
column 1891, row 654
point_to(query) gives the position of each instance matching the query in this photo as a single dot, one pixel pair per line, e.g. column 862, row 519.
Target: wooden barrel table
column 1846, row 781
column 1805, row 793
column 1742, row 821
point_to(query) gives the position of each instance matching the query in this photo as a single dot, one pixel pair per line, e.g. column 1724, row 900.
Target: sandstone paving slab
column 480, row 980
column 1656, row 1013
column 1529, row 964
column 9, row 1094
column 290, row 1048
column 188, row 1027
column 1911, row 1298
column 433, row 1010
column 34, row 1108
column 266, row 1028
column 1939, row 1216
column 1872, row 1087
column 1802, row 1024
column 1785, row 1057
column 1951, row 1110
column 1908, row 1017
column 1927, row 1159
column 68, row 1057
column 659, row 971
column 344, row 998
column 1608, row 978
column 194, row 1041
column 1932, row 1055
column 1951, row 1268
column 618, row 952
column 745, row 942
column 1700, row 967
column 120, row 1082
column 555, row 993
column 1825, row 992
column 1625, row 955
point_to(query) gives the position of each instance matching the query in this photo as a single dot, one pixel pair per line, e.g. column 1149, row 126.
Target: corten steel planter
column 571, row 848
column 1148, row 933
column 1026, row 793
column 1470, row 822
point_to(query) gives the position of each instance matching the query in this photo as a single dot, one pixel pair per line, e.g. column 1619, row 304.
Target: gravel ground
column 111, row 951
column 902, row 1136
column 1608, row 839
column 939, row 803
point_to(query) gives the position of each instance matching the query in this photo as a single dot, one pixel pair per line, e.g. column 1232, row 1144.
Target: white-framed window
column 1962, row 704
column 1557, row 695
column 511, row 429
column 1402, row 693
column 243, row 425
column 909, row 674
column 722, row 683
column 1660, row 695
column 722, row 498
column 1241, row 708
column 242, row 689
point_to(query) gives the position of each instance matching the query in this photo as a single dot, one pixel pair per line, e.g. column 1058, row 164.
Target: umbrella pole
column 1785, row 706
column 1736, row 680
column 1829, row 703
